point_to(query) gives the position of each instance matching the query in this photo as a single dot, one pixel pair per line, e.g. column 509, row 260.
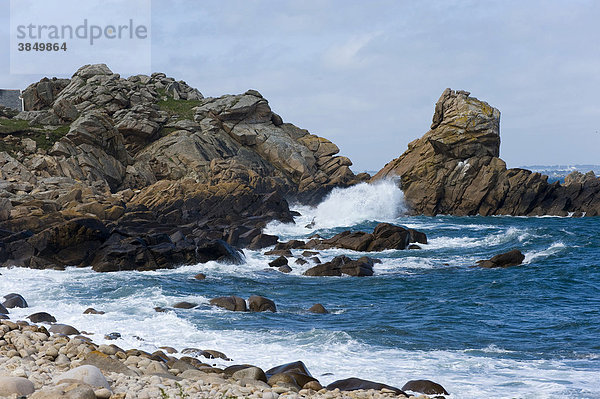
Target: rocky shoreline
column 53, row 360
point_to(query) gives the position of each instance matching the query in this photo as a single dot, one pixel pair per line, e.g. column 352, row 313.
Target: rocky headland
column 145, row 173
column 455, row 169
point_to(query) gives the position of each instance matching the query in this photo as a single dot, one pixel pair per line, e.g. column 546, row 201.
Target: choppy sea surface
column 531, row 331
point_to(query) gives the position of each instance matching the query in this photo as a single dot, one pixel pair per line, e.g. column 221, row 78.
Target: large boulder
column 87, row 374
column 14, row 300
column 425, row 386
column 233, row 303
column 258, row 303
column 353, row 384
column 342, row 264
column 455, row 169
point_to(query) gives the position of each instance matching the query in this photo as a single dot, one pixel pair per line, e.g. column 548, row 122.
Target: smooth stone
column 64, row 329
column 425, row 386
column 14, row 301
column 258, row 303
column 42, row 317
column 15, row 385
column 87, row 374
column 200, row 276
column 254, row 373
column 185, row 305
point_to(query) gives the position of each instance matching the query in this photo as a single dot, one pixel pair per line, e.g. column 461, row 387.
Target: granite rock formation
column 455, row 169
column 145, row 173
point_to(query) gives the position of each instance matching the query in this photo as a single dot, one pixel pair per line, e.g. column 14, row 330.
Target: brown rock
column 258, row 303
column 425, row 386
column 233, row 303
column 511, row 258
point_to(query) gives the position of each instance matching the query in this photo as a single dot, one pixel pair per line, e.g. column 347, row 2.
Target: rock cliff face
column 146, row 171
column 455, row 169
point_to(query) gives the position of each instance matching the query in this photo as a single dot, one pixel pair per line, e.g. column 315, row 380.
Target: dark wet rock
column 300, row 261
column 219, row 251
column 14, row 301
column 279, row 252
column 262, row 241
column 343, row 265
column 318, row 308
column 212, row 354
column 384, row 236
column 233, row 303
column 308, row 254
column 315, row 259
column 3, row 310
column 93, row 311
column 413, row 246
column 185, row 305
column 285, row 269
column 63, row 329
column 425, row 386
column 112, row 336
column 3, row 316
column 281, row 261
column 200, row 276
column 41, row 317
column 353, row 384
column 507, row 259
column 160, row 309
column 258, row 303
column 297, row 366
column 292, row 244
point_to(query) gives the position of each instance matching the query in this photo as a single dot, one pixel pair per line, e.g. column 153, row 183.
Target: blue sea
column 529, row 331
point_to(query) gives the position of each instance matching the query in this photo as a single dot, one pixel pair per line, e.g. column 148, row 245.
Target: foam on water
column 551, row 250
column 345, row 207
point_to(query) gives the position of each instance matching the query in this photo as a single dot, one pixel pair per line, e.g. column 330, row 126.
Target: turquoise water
column 530, row 331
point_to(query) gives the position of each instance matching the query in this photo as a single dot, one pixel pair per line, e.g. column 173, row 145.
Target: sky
column 367, row 74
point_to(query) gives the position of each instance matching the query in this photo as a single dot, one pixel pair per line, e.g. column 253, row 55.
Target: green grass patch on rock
column 180, row 109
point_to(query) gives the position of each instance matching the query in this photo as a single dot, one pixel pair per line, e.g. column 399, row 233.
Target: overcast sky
column 366, row 74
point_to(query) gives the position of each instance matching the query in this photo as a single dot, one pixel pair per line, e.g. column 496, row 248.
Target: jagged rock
column 148, row 157
column 455, row 169
column 511, row 258
column 40, row 95
column 384, row 236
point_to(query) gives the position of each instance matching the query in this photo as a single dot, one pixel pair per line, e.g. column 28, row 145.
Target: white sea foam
column 496, row 238
column 551, row 250
column 344, row 207
column 467, row 373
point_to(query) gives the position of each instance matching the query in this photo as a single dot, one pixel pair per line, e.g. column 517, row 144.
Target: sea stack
column 455, row 169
